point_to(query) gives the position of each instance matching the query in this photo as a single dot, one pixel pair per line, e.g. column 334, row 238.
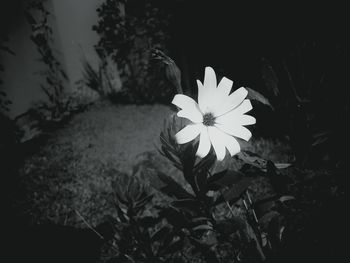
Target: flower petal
column 236, row 118
column 189, row 107
column 225, row 86
column 206, row 98
column 234, row 129
column 232, row 101
column 202, row 96
column 237, row 115
column 217, row 142
column 208, row 95
column 204, row 143
column 189, row 133
column 231, row 144
column 183, row 101
column 247, row 120
column 244, row 107
column 209, row 78
column 193, row 115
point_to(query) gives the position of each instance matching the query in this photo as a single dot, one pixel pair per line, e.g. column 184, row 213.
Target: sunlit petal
column 232, row 101
column 202, row 95
column 225, row 86
column 184, row 102
column 247, row 120
column 231, row 144
column 193, row 115
column 204, row 143
column 209, row 78
column 244, row 107
column 235, row 130
column 189, row 133
column 237, row 115
column 217, row 142
column 206, row 98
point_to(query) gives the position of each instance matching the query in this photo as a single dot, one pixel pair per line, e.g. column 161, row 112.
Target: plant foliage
column 128, row 31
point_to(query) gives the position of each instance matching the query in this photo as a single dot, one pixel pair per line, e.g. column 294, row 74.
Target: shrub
column 128, row 31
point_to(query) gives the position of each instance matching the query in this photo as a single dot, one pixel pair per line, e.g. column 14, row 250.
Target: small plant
column 208, row 215
column 105, row 80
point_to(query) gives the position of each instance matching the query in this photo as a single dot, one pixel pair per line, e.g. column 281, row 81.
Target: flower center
column 208, row 119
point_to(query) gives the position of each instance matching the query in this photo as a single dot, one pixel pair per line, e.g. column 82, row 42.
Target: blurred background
column 86, row 85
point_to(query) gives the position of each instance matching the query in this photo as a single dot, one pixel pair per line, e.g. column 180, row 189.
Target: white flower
column 217, row 118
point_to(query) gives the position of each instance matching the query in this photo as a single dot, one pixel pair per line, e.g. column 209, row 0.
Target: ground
column 70, row 177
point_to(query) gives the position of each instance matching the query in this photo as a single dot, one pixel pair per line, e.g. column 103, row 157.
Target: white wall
column 75, row 19
column 73, row 38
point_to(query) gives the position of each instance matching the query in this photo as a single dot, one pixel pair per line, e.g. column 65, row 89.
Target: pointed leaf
column 282, row 165
column 235, row 192
column 172, row 188
column 190, row 205
column 225, row 178
column 160, row 234
column 254, row 95
column 270, row 78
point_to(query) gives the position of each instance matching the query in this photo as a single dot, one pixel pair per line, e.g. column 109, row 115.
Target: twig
column 88, row 225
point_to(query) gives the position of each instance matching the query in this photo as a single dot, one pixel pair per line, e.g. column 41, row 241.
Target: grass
column 75, row 169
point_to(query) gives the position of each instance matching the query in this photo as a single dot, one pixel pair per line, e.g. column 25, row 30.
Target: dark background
column 232, row 37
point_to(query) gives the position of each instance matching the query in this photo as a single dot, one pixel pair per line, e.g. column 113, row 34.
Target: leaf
column 173, row 247
column 223, row 179
column 229, row 226
column 204, row 244
column 120, row 199
column 282, row 165
column 265, row 220
column 148, row 221
column 161, row 234
column 174, row 217
column 286, row 198
column 202, row 227
column 205, row 163
column 190, row 205
column 216, row 176
column 254, row 95
column 200, row 221
column 253, row 159
column 143, row 201
column 169, row 240
column 201, row 181
column 270, row 78
column 235, row 192
column 121, row 215
column 172, row 188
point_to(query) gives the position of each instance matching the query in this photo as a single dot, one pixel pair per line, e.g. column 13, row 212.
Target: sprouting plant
column 104, row 79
